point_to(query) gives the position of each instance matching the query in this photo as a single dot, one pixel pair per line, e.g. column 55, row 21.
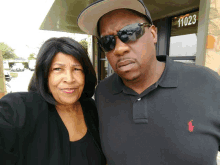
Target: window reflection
column 183, row 45
column 183, row 40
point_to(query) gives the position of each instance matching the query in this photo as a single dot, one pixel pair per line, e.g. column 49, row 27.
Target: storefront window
column 183, row 39
column 104, row 68
column 183, row 45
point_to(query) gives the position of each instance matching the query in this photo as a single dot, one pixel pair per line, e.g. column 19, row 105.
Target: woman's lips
column 68, row 90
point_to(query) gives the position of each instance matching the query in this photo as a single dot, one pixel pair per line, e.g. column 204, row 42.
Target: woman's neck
column 69, row 109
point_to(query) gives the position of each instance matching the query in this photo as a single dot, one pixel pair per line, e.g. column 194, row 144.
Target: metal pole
column 2, row 77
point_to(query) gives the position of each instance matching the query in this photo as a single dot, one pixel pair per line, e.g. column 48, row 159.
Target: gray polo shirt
column 174, row 121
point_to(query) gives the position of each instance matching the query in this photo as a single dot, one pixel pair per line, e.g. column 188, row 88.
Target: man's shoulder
column 108, row 82
column 196, row 70
column 197, row 76
column 187, row 69
column 109, row 79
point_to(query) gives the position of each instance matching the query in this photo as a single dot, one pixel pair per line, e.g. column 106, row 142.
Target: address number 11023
column 187, row 21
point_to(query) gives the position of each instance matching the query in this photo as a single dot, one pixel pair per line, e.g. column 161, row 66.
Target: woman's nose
column 69, row 77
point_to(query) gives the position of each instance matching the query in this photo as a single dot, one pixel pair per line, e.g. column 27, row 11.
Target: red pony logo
column 191, row 127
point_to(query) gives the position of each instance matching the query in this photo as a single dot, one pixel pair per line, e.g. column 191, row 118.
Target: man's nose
column 120, row 47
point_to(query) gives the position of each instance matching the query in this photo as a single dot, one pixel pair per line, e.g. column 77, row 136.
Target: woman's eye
column 57, row 69
column 77, row 69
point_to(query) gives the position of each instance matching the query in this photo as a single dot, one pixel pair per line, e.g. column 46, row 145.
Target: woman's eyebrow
column 64, row 64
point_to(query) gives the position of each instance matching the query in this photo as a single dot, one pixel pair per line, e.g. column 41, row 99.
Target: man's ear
column 153, row 30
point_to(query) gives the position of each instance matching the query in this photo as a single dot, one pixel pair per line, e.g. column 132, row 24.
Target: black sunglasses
column 126, row 34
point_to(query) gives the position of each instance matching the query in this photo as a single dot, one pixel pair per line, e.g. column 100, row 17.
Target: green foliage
column 7, row 51
column 84, row 44
column 31, row 56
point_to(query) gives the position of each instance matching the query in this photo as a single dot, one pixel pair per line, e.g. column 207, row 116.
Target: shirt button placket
column 140, row 111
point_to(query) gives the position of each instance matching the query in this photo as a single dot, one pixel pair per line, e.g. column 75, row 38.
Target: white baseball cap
column 89, row 17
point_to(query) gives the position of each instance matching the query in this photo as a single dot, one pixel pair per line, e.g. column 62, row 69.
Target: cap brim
column 89, row 17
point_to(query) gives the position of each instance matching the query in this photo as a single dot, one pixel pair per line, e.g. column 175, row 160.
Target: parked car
column 8, row 87
column 31, row 64
column 17, row 67
column 7, row 75
column 7, row 78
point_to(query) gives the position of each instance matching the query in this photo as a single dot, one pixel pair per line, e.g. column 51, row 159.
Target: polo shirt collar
column 169, row 77
column 171, row 73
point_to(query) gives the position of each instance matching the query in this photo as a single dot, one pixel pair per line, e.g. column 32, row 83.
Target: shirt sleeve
column 11, row 120
column 216, row 95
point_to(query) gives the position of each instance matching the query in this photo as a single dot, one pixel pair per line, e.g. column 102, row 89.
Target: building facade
column 188, row 30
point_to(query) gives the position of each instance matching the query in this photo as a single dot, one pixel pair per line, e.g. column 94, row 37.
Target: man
column 152, row 110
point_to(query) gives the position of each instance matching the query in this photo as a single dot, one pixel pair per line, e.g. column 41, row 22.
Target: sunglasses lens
column 130, row 33
column 123, row 36
column 139, row 32
column 108, row 43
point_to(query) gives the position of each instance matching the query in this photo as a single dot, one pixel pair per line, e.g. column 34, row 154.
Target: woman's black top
column 32, row 133
column 84, row 152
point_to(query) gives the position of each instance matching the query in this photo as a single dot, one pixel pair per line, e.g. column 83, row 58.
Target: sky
column 20, row 21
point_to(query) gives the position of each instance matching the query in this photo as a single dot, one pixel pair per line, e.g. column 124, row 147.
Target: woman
column 56, row 122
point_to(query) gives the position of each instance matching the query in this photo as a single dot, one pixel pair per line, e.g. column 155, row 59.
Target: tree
column 84, row 43
column 31, row 56
column 7, row 51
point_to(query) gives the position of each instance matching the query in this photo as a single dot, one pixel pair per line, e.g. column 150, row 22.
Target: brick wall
column 213, row 39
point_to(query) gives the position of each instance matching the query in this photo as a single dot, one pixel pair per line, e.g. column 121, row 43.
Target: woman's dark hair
column 39, row 80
